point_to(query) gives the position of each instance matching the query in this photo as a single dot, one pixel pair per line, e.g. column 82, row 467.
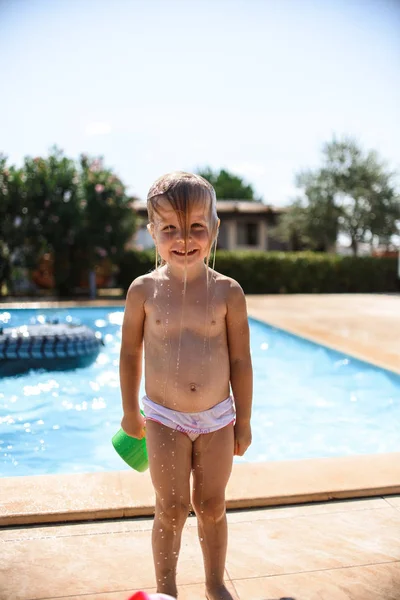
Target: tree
column 52, row 200
column 365, row 195
column 80, row 213
column 108, row 218
column 293, row 227
column 14, row 246
column 320, row 217
column 227, row 186
column 352, row 193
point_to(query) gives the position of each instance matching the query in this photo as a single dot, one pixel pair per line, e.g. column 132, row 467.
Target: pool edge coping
column 41, row 499
column 341, row 345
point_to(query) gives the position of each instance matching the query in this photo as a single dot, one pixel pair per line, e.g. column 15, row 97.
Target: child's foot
column 218, row 593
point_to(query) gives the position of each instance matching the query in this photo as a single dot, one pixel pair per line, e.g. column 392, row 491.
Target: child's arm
column 240, row 365
column 130, row 363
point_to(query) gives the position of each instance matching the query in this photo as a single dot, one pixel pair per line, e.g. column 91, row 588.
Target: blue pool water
column 308, row 402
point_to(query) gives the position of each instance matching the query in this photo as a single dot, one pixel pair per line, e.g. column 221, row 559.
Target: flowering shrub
column 77, row 211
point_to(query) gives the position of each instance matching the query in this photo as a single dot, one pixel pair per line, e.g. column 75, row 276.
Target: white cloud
column 98, row 128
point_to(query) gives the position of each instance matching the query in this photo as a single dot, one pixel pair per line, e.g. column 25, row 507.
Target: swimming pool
column 309, row 402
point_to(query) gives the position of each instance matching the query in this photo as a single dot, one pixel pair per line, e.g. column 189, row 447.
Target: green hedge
column 287, row 272
column 133, row 264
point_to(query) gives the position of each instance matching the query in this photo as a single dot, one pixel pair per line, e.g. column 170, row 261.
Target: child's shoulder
column 232, row 293
column 228, row 284
column 141, row 287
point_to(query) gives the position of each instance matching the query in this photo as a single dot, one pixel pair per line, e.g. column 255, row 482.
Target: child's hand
column 134, row 424
column 242, row 438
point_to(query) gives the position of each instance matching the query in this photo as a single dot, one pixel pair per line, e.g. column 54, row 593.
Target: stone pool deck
column 366, row 326
column 318, row 529
column 342, row 550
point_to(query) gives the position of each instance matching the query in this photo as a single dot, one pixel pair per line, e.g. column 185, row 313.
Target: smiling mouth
column 183, row 253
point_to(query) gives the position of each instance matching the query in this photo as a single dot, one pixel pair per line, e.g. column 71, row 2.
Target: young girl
column 193, row 324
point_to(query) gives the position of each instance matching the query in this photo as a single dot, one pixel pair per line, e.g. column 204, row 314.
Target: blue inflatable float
column 54, row 347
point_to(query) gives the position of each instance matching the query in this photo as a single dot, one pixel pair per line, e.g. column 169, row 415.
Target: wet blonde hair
column 184, row 191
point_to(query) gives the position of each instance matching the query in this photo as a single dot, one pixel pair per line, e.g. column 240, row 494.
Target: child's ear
column 219, row 222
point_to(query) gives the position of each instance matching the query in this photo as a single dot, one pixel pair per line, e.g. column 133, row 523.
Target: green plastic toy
column 131, row 450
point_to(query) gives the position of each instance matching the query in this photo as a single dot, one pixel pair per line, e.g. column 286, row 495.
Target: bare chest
column 202, row 314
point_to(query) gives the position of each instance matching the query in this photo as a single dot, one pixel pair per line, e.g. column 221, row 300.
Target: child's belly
column 190, row 375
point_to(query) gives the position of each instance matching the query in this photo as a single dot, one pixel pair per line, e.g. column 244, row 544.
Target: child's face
column 169, row 237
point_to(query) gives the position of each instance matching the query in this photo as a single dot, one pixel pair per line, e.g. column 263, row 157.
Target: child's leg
column 212, row 465
column 170, row 460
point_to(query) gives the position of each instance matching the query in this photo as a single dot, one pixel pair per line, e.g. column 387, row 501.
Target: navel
column 213, row 322
column 158, row 322
column 193, row 387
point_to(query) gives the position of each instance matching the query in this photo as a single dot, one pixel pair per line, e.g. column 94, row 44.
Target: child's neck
column 192, row 274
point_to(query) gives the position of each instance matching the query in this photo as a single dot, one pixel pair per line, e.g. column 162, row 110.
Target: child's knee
column 172, row 512
column 212, row 509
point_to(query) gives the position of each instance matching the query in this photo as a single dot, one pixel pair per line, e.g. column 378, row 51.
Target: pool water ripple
column 309, row 401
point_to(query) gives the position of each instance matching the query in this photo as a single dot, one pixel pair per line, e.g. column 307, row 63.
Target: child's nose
column 181, row 235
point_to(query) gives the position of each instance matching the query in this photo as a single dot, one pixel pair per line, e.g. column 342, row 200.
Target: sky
column 255, row 86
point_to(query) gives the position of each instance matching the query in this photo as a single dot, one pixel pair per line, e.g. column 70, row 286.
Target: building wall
column 244, row 232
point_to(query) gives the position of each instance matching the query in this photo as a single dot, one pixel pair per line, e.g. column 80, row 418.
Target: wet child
column 192, row 323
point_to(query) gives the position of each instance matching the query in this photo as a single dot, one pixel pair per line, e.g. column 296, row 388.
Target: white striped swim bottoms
column 193, row 424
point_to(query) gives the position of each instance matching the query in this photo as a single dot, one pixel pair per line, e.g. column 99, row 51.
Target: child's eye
column 197, row 225
column 168, row 228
